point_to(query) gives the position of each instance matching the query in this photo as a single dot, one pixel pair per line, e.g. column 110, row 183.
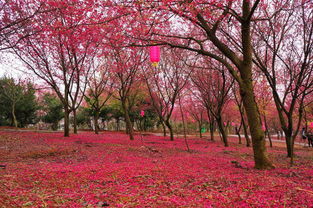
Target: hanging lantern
column 311, row 125
column 142, row 113
column 155, row 55
column 263, row 127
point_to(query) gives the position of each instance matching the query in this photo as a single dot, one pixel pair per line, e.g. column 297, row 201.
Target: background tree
column 285, row 58
column 59, row 53
column 27, row 106
column 164, row 83
column 18, row 104
column 53, row 109
column 11, row 94
column 84, row 115
column 197, row 111
column 241, row 110
column 264, row 99
column 99, row 89
column 125, row 70
column 214, row 84
column 114, row 110
column 213, row 28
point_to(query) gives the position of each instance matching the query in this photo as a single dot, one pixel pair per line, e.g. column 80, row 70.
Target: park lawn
column 88, row 170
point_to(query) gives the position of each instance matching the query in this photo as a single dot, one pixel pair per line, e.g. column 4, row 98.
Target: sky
column 11, row 66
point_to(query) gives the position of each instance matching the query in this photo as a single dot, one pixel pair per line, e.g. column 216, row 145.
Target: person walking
column 309, row 136
column 304, row 136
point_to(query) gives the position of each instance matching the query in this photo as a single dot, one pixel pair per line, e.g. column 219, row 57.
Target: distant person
column 304, row 136
column 303, row 133
column 310, row 138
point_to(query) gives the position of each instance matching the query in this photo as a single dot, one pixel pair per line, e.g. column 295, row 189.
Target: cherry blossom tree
column 15, row 20
column 214, row 85
column 241, row 110
column 285, row 58
column 197, row 111
column 125, row 72
column 264, row 99
column 220, row 30
column 165, row 83
column 99, row 88
column 60, row 54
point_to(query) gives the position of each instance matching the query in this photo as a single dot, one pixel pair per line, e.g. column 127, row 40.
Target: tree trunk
column 222, row 131
column 75, row 121
column 55, row 126
column 14, row 121
column 292, row 149
column 129, row 127
column 212, row 130
column 117, row 124
column 258, row 139
column 288, row 143
column 267, row 132
column 170, row 128
column 247, row 94
column 245, row 129
column 164, row 128
column 200, row 129
column 184, row 126
column 66, row 122
column 96, row 123
column 238, row 133
column 269, row 138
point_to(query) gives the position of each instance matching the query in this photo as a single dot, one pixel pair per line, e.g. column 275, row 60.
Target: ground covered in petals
column 109, row 170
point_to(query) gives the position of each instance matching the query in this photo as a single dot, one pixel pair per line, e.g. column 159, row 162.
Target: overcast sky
column 11, row 66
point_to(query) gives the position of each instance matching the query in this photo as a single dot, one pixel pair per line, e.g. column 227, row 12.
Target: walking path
column 234, row 135
column 273, row 140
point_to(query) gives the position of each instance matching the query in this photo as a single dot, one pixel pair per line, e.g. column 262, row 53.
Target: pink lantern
column 263, row 127
column 311, row 125
column 142, row 113
column 155, row 55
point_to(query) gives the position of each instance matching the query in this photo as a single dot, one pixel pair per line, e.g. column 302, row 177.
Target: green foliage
column 83, row 116
column 148, row 121
column 27, row 106
column 53, row 108
column 114, row 110
column 19, row 98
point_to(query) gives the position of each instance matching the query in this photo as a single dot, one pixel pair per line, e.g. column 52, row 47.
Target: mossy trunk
column 247, row 94
column 258, row 138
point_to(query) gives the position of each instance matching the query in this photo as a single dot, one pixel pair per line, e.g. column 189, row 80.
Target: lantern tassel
column 155, row 64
